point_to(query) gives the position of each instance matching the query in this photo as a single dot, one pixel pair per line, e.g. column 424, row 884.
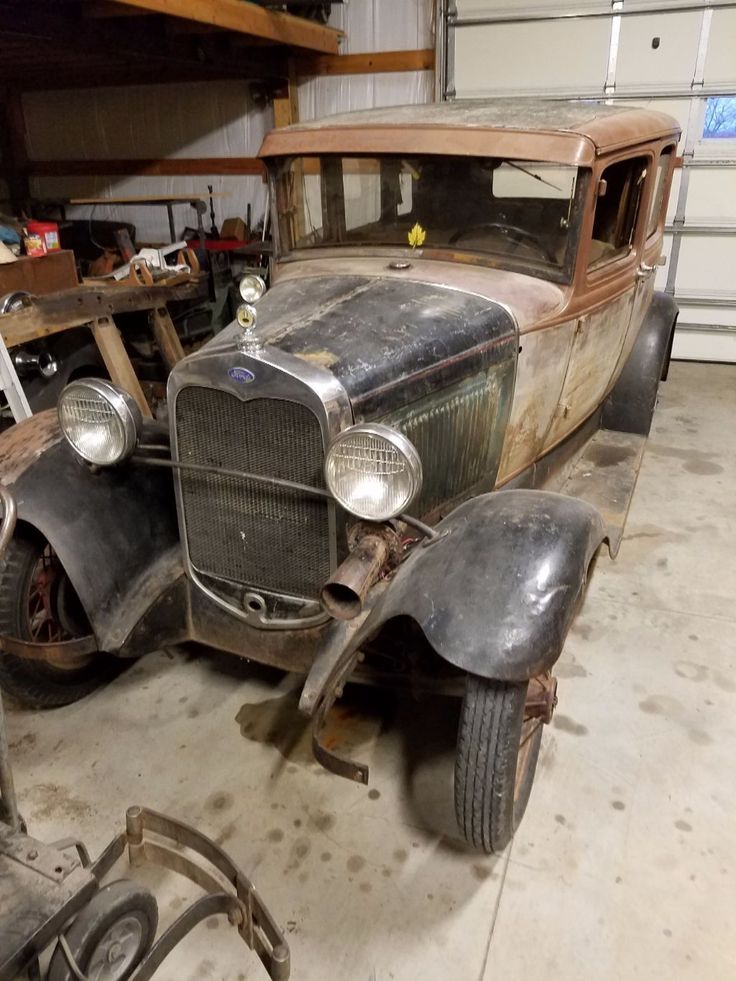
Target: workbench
column 96, row 306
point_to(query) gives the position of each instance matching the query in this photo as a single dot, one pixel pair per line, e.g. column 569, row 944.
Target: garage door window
column 617, row 210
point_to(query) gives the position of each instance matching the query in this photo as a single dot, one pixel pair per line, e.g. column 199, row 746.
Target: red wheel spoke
column 43, row 621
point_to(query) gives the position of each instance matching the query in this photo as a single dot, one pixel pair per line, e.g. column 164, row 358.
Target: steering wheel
column 516, row 233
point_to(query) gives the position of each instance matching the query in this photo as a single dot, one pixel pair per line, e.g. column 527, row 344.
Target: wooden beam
column 286, row 101
column 55, row 312
column 173, row 167
column 167, row 339
column 99, row 9
column 123, row 43
column 366, row 64
column 111, row 347
column 248, row 18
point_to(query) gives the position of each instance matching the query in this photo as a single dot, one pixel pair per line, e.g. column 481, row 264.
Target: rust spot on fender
column 23, row 444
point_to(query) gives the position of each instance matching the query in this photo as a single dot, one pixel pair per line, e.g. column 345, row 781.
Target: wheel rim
column 540, row 704
column 44, row 623
column 51, row 610
column 117, row 952
column 529, row 729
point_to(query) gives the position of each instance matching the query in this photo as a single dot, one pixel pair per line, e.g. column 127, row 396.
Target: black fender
column 496, row 594
column 630, row 406
column 76, row 354
column 110, row 528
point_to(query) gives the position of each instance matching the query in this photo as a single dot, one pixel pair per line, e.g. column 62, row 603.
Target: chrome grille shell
column 275, row 376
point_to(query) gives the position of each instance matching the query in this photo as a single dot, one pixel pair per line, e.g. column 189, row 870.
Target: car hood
column 388, row 341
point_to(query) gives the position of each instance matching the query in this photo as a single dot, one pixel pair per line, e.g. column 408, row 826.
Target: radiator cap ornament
column 248, row 343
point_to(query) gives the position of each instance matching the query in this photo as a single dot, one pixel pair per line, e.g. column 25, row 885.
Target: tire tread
column 485, row 768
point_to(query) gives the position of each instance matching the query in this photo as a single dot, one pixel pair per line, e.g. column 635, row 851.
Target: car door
column 610, row 281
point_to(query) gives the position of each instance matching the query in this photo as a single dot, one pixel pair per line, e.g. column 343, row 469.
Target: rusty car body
column 405, row 455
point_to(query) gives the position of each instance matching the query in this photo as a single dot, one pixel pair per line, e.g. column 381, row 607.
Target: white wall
column 211, row 119
column 373, row 25
column 214, row 119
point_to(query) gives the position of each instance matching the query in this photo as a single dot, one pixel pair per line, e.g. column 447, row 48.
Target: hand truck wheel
column 110, row 936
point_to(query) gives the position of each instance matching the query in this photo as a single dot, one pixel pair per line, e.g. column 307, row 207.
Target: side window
column 616, row 210
column 655, row 207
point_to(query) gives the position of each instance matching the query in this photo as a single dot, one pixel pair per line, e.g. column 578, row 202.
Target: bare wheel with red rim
column 38, row 603
column 498, row 742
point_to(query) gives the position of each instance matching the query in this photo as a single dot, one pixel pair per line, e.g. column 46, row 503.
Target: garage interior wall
column 671, row 56
column 211, row 119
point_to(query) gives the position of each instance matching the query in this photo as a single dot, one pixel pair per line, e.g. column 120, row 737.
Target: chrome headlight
column 251, row 288
column 100, row 421
column 373, row 471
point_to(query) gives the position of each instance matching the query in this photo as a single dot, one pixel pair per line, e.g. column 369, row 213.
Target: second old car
column 399, row 463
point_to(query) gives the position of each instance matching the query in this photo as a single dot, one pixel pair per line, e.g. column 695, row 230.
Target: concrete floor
column 624, row 865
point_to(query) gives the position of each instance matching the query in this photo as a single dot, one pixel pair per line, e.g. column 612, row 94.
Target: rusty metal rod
column 344, row 594
column 258, row 478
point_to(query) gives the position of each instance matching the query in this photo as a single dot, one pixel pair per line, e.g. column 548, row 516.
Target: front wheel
column 38, row 603
column 497, row 749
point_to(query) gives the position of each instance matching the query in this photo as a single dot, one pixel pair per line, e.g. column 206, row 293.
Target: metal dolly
column 54, row 893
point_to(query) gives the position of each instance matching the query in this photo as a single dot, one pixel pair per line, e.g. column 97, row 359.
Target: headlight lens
column 373, row 471
column 252, row 288
column 100, row 421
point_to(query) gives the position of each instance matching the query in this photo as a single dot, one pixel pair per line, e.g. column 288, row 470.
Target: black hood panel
column 388, row 341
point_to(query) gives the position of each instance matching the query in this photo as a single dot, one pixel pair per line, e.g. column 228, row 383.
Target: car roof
column 567, row 132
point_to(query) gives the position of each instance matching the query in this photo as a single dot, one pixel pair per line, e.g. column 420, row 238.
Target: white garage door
column 679, row 57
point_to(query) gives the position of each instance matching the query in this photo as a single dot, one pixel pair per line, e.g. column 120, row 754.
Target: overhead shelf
column 51, row 44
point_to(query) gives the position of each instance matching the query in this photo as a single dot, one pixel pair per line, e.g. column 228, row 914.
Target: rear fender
column 630, row 406
column 110, row 529
column 496, row 594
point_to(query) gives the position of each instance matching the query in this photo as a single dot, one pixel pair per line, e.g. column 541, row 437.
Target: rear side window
column 659, row 180
column 616, row 210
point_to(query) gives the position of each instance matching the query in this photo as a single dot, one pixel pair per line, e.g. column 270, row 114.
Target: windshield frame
column 563, row 274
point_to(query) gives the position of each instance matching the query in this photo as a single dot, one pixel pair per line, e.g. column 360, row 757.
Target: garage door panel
column 720, row 60
column 670, row 65
column 534, row 58
column 708, row 316
column 705, row 344
column 706, row 263
column 711, row 194
column 503, row 8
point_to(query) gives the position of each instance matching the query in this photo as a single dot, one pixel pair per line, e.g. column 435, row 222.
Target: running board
column 605, row 475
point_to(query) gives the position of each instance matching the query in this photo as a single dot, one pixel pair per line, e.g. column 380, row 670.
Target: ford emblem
column 241, row 375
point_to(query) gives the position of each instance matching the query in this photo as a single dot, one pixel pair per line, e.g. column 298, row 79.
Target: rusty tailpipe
column 344, row 594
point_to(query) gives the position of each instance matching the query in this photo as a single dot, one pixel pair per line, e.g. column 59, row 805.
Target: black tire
column 34, row 683
column 124, row 913
column 497, row 751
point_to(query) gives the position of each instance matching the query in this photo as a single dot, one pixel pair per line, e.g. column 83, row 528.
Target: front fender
column 109, row 528
column 496, row 594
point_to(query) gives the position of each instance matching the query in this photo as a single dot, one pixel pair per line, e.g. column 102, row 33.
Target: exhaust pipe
column 343, row 595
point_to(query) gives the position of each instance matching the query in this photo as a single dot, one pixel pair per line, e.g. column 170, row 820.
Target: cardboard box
column 234, row 228
column 44, row 274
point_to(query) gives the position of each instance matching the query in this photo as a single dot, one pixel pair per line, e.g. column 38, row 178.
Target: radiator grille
column 264, row 537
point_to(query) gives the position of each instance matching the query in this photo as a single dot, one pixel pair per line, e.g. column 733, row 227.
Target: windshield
column 512, row 212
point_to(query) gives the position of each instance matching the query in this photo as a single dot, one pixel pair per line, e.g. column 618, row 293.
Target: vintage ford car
column 400, row 462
